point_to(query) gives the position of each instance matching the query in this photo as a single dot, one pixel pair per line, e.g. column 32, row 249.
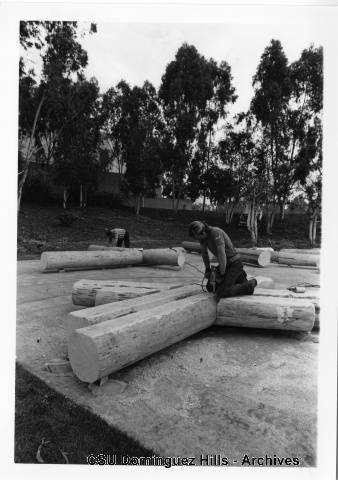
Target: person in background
column 232, row 276
column 120, row 235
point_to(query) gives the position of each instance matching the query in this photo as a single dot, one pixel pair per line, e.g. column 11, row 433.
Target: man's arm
column 220, row 247
column 205, row 256
column 222, row 258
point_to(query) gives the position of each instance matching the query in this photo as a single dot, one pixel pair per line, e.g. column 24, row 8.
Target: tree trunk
column 108, row 307
column 302, row 260
column 229, row 211
column 28, row 154
column 84, row 292
column 97, row 351
column 203, row 205
column 164, row 256
column 178, row 198
column 310, row 251
column 253, row 311
column 281, row 211
column 269, row 221
column 313, row 229
column 85, row 196
column 138, row 204
column 252, row 222
column 87, row 260
column 192, row 247
column 260, row 258
column 65, row 197
column 105, row 247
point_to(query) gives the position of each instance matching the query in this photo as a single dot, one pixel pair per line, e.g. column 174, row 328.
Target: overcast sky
column 139, row 52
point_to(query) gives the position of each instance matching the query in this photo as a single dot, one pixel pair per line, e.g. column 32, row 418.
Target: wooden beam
column 99, row 350
column 86, row 260
column 255, row 311
column 85, row 292
column 102, row 313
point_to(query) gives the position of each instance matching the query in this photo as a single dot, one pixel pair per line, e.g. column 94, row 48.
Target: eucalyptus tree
column 133, row 126
column 309, row 174
column 286, row 103
column 194, row 92
column 235, row 152
column 114, row 112
column 63, row 59
column 270, row 105
column 221, row 94
column 142, row 149
column 76, row 162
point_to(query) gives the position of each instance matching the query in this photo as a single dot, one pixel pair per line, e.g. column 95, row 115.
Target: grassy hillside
column 39, row 229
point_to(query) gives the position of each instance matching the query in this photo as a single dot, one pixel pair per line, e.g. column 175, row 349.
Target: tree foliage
column 43, row 106
column 286, row 103
column 194, row 93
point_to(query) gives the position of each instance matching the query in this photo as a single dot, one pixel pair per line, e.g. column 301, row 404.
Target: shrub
column 38, row 188
column 66, row 219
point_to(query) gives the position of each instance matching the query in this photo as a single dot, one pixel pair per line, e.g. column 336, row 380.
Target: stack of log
column 110, row 336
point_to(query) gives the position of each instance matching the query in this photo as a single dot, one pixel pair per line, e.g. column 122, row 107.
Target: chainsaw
column 214, row 280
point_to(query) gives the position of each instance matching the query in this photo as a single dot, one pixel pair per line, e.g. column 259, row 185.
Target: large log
column 311, row 294
column 87, row 260
column 104, row 312
column 254, row 311
column 249, row 256
column 295, row 259
column 259, row 258
column 307, row 251
column 99, row 350
column 154, row 256
column 85, row 292
column 117, row 249
column 191, row 247
column 164, row 256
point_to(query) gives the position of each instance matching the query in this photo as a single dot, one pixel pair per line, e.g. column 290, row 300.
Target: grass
column 41, row 412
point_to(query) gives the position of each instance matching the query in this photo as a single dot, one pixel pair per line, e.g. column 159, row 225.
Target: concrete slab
column 232, row 392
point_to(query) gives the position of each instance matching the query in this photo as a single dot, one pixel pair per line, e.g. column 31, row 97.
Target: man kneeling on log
column 232, row 279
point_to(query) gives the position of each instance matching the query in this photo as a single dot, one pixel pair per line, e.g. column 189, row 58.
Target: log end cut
column 83, row 357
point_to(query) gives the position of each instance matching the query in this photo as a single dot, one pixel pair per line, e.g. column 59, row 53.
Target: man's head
column 197, row 230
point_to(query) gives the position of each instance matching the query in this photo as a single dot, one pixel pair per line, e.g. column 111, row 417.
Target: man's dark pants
column 234, row 282
column 124, row 240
